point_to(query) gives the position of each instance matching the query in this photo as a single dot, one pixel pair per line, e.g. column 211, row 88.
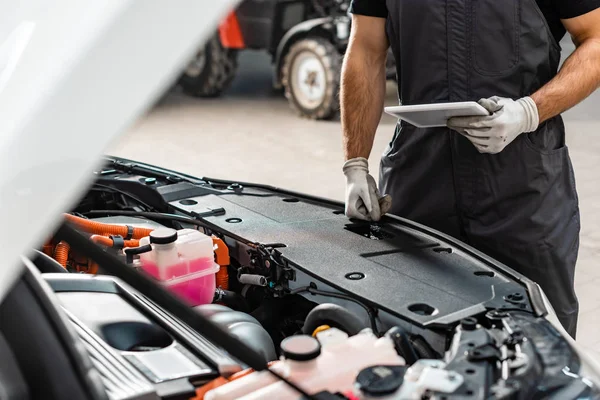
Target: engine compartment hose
column 61, row 253
column 109, row 242
column 131, row 251
column 48, row 249
column 222, row 258
column 255, row 280
column 99, row 228
column 232, row 300
column 333, row 316
column 422, row 348
column 403, row 346
column 312, row 289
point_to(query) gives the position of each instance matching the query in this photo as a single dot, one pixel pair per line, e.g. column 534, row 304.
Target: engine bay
column 341, row 308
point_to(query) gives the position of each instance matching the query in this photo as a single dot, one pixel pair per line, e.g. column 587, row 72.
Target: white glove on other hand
column 508, row 119
column 363, row 200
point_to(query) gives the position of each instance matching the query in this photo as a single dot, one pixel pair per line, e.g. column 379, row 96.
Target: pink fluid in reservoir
column 197, row 290
column 194, row 281
column 178, row 270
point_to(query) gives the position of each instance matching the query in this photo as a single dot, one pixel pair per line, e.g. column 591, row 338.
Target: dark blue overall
column 519, row 206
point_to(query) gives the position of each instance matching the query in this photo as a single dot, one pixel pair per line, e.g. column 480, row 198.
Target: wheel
column 311, row 78
column 211, row 71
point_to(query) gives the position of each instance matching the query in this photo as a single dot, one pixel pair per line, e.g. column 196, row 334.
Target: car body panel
column 403, row 266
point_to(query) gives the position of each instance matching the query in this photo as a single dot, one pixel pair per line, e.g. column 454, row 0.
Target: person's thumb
column 491, row 104
column 375, row 211
column 385, row 204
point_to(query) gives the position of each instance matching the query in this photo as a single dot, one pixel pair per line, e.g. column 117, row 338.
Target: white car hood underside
column 73, row 75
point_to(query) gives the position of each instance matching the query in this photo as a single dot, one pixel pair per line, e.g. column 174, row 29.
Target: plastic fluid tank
column 183, row 261
column 330, row 362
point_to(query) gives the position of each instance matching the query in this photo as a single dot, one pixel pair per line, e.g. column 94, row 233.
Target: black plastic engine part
column 231, row 299
column 46, row 264
column 241, row 325
column 13, row 382
column 335, row 316
column 283, row 317
column 468, row 324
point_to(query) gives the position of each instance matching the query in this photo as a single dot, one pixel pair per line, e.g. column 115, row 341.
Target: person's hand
column 363, row 200
column 508, row 119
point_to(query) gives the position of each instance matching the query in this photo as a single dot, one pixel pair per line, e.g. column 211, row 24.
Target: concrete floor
column 250, row 134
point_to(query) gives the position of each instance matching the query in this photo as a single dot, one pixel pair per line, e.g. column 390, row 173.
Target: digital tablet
column 436, row 115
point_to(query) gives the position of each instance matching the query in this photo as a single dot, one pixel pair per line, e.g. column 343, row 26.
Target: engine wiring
column 150, row 215
column 197, row 220
column 98, row 187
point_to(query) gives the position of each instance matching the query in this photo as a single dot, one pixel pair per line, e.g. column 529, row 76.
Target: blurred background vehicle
column 306, row 40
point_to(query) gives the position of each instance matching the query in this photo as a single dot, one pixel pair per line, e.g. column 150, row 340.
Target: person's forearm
column 362, row 95
column 578, row 78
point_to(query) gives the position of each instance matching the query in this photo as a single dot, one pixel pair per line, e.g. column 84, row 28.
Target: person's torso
column 463, row 50
column 548, row 8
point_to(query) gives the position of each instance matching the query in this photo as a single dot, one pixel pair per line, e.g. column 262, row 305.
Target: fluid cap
column 163, row 236
column 380, row 380
column 300, row 348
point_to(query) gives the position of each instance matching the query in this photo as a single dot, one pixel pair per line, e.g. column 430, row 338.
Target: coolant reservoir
column 183, row 261
column 330, row 362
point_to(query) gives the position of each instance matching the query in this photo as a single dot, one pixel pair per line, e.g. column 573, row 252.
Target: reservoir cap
column 163, row 236
column 380, row 380
column 300, row 348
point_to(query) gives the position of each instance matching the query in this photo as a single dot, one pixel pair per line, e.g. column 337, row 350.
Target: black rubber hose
column 370, row 311
column 403, row 345
column 422, row 348
column 332, row 315
column 232, row 300
column 46, row 264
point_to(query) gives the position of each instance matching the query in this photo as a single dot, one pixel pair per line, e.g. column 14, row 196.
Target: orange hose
column 99, row 228
column 48, row 249
column 222, row 258
column 61, row 253
column 108, row 242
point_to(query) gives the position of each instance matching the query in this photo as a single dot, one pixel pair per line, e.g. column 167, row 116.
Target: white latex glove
column 508, row 119
column 363, row 200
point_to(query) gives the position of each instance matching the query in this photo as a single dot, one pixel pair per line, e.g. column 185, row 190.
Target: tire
column 211, row 71
column 311, row 78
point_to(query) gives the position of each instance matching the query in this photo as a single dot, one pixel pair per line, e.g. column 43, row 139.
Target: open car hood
column 73, row 75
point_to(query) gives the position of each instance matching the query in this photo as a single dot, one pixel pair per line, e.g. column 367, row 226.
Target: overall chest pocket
column 495, row 31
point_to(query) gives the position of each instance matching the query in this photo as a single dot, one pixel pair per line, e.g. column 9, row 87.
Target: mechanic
column 502, row 183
